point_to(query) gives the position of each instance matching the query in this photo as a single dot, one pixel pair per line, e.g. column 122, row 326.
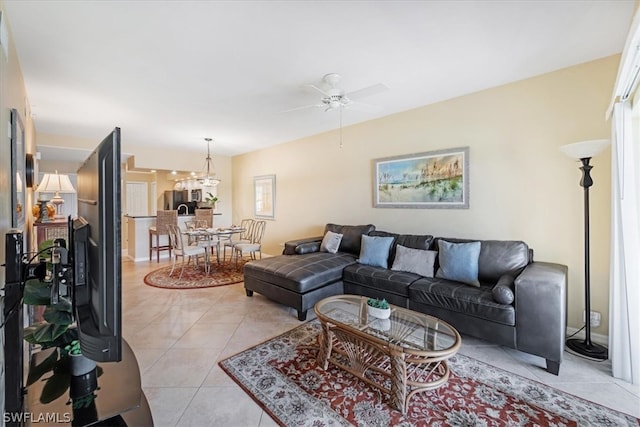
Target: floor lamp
column 584, row 151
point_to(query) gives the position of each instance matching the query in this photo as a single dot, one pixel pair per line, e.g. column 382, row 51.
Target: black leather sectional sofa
column 534, row 322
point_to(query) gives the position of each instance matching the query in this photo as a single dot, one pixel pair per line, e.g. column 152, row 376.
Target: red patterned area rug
column 282, row 376
column 192, row 278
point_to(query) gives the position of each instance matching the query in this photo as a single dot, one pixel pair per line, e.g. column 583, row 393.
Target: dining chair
column 205, row 215
column 210, row 242
column 182, row 250
column 255, row 245
column 163, row 219
column 202, row 223
column 245, row 237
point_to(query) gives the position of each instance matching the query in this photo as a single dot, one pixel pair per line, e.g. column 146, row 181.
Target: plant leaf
column 58, row 317
column 43, row 332
column 37, row 292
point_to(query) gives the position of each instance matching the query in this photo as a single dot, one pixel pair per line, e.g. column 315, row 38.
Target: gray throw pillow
column 503, row 290
column 374, row 250
column 330, row 242
column 459, row 262
column 416, row 261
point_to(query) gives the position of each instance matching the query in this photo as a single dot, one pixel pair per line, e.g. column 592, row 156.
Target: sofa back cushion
column 414, row 241
column 497, row 257
column 351, row 236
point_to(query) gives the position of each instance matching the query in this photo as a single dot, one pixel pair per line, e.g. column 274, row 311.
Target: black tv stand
column 118, row 399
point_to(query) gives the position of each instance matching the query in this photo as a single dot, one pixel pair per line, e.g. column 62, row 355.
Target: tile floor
column 179, row 336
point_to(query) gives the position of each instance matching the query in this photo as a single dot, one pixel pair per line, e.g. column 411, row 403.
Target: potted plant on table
column 78, row 364
column 378, row 308
column 54, row 330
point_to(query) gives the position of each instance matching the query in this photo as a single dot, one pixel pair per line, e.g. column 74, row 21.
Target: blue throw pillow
column 374, row 250
column 459, row 262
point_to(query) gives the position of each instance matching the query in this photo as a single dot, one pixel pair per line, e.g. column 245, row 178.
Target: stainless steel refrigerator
column 174, row 198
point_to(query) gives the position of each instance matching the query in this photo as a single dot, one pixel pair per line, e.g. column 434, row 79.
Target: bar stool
column 163, row 220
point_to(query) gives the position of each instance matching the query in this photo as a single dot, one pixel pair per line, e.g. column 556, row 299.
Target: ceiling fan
column 334, row 97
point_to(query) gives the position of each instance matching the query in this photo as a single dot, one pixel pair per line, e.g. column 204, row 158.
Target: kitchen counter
column 138, row 234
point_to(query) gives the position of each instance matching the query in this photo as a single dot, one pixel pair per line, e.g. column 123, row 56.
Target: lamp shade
column 585, row 149
column 55, row 183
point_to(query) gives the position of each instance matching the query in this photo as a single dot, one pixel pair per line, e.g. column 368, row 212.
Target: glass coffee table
column 402, row 355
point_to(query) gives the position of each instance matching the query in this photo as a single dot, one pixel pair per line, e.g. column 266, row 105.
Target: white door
column 154, row 199
column 137, row 199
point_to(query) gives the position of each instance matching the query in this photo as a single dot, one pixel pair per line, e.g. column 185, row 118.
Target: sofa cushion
column 351, row 236
column 459, row 262
column 503, row 290
column 300, row 273
column 307, row 247
column 497, row 257
column 458, row 297
column 331, row 242
column 415, row 241
column 396, row 282
column 416, row 261
column 374, row 250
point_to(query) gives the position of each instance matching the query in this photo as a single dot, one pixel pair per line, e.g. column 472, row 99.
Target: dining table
column 213, row 236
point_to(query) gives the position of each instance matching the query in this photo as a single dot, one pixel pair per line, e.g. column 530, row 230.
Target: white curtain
column 624, row 291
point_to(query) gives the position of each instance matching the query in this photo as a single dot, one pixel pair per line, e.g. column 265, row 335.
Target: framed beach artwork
column 264, row 191
column 435, row 179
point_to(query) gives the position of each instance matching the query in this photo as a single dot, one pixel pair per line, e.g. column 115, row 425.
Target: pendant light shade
column 208, row 179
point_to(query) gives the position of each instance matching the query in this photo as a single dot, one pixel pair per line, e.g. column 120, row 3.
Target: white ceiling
column 171, row 73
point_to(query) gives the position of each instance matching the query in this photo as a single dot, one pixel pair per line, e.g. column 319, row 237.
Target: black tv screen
column 96, row 252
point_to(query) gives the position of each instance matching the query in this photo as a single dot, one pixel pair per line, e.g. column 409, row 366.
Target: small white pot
column 380, row 313
column 80, row 365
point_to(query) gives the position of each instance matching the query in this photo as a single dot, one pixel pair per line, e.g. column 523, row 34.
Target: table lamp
column 55, row 183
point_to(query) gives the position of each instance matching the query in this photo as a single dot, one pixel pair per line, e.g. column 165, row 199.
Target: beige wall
column 12, row 95
column 522, row 186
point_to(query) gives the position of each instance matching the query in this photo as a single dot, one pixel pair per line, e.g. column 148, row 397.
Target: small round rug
column 220, row 275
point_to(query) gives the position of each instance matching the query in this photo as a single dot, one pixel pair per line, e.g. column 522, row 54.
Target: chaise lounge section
column 302, row 276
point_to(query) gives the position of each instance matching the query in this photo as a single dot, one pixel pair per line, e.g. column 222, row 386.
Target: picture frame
column 264, row 192
column 430, row 180
column 18, row 178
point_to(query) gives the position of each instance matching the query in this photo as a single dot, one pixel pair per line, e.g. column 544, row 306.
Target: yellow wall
column 522, row 186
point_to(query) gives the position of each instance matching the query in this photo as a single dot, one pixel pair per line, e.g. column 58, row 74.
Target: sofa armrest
column 541, row 310
column 302, row 246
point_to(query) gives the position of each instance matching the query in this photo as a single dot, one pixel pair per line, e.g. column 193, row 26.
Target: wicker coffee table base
column 386, row 367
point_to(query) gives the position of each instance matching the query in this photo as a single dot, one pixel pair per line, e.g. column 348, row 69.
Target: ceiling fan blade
column 318, row 89
column 304, row 107
column 361, row 106
column 367, row 91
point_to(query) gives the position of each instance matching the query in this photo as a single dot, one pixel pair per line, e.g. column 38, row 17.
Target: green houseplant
column 53, row 330
column 378, row 308
column 211, row 200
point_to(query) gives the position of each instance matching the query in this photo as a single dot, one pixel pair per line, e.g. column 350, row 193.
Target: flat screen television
column 95, row 248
